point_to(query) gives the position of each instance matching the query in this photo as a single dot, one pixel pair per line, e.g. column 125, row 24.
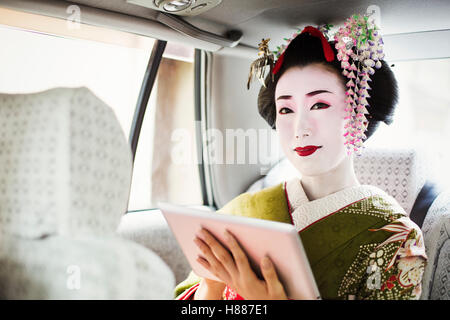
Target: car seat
column 65, row 172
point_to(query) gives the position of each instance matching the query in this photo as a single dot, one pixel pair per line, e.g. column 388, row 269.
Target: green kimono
column 359, row 241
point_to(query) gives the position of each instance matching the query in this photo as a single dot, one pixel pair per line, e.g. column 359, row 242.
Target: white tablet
column 279, row 241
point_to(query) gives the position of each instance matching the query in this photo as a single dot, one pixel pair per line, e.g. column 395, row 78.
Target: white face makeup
column 310, row 103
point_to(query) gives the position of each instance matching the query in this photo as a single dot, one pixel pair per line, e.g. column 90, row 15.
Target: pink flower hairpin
column 358, row 32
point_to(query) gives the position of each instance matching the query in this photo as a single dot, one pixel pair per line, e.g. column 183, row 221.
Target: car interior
column 109, row 107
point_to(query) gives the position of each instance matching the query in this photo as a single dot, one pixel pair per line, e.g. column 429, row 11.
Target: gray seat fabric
column 65, row 173
column 436, row 232
column 59, row 267
column 150, row 229
column 441, row 282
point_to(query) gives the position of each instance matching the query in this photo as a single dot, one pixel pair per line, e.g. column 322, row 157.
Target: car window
column 422, row 117
column 166, row 165
column 32, row 61
column 39, row 53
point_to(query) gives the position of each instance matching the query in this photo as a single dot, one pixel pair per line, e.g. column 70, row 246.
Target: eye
column 285, row 110
column 320, row 105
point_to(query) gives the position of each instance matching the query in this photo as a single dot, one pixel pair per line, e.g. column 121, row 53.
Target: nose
column 303, row 126
column 303, row 135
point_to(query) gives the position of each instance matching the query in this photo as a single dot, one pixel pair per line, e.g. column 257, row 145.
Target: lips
column 307, row 150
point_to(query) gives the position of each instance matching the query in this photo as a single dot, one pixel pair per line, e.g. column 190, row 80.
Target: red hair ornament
column 327, row 51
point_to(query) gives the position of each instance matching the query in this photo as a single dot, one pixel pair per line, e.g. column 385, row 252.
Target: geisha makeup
column 310, row 106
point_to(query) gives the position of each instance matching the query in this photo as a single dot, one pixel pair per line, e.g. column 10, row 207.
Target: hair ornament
column 358, row 33
column 327, row 51
column 258, row 67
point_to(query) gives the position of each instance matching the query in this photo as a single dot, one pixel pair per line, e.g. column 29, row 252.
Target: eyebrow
column 312, row 93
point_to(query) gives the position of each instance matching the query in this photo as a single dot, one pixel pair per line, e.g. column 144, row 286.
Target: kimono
column 359, row 242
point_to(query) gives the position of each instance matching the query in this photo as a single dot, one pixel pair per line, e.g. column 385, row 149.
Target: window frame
column 201, row 102
column 144, row 94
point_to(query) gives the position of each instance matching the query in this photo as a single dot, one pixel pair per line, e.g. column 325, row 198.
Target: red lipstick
column 306, row 151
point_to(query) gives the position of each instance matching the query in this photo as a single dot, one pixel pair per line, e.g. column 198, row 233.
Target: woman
column 359, row 241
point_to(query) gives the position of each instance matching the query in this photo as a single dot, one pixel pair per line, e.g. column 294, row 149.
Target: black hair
column 305, row 50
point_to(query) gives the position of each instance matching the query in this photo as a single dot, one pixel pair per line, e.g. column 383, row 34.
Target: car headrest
column 65, row 165
column 399, row 172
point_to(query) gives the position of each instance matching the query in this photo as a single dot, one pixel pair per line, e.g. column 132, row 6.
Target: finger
column 274, row 286
column 239, row 256
column 221, row 254
column 210, row 262
column 204, row 262
column 222, row 277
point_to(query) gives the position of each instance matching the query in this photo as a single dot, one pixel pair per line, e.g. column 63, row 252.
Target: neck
column 341, row 177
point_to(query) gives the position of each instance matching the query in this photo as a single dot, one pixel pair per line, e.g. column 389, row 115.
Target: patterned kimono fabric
column 359, row 241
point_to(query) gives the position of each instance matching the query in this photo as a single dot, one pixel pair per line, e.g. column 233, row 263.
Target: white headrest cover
column 65, row 165
column 399, row 172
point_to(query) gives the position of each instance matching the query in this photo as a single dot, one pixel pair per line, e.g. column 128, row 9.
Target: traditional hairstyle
column 305, row 50
column 355, row 53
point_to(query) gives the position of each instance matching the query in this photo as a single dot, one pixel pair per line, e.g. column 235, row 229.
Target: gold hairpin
column 258, row 67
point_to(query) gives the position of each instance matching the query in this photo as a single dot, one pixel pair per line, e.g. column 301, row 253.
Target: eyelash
column 318, row 103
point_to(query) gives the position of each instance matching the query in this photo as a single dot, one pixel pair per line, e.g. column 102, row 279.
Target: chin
column 315, row 167
column 312, row 168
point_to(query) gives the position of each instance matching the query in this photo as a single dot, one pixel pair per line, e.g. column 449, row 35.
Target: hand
column 209, row 290
column 234, row 269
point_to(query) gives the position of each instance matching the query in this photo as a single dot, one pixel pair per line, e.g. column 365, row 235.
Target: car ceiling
column 277, row 19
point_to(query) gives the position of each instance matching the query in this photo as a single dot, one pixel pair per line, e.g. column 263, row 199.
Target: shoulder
column 269, row 204
column 381, row 203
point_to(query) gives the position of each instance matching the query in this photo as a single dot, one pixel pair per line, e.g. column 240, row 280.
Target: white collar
column 305, row 212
